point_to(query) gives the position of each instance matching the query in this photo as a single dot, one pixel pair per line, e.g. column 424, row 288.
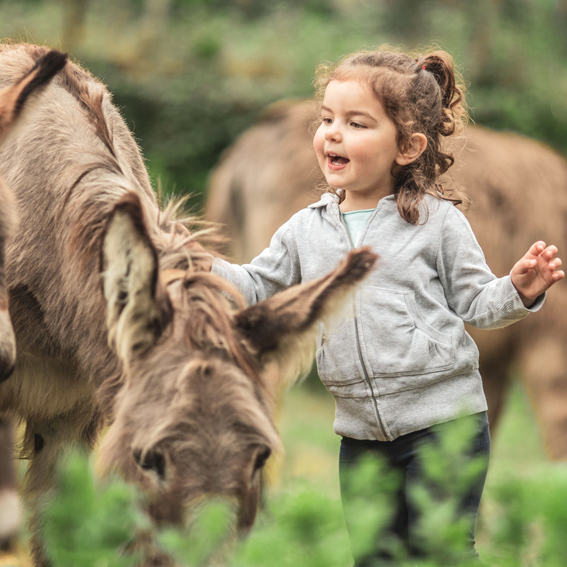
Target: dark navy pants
column 402, row 458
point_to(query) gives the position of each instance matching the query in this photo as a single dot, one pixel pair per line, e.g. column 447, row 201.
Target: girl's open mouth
column 335, row 161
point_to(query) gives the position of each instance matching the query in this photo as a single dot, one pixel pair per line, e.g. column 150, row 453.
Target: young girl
column 401, row 361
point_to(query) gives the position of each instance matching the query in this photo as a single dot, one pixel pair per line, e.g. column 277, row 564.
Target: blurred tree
column 73, row 32
column 153, row 24
column 408, row 19
column 192, row 74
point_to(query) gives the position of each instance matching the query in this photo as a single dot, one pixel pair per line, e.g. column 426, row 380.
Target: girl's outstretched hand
column 536, row 272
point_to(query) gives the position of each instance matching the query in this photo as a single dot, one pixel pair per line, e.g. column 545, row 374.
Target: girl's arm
column 536, row 272
column 275, row 269
column 472, row 291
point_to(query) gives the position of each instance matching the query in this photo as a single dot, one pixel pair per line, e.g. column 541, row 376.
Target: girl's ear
column 416, row 146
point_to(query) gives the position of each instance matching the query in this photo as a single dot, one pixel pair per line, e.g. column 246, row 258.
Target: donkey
column 13, row 101
column 519, row 193
column 118, row 320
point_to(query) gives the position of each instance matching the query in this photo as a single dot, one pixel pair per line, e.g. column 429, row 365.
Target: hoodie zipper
column 359, row 351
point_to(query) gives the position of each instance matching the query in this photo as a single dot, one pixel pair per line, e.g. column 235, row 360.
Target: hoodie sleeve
column 473, row 292
column 275, row 269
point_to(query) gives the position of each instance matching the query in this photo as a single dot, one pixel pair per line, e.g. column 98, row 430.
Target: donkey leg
column 10, row 509
column 544, row 375
column 496, row 381
column 45, row 441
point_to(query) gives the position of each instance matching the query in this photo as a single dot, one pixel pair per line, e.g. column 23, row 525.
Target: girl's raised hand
column 536, row 272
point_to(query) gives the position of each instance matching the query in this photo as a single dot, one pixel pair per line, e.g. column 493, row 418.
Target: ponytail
column 440, row 65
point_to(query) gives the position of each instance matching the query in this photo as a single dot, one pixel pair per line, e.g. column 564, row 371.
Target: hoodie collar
column 329, row 198
column 326, row 199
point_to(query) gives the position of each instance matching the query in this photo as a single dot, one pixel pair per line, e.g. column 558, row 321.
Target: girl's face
column 356, row 144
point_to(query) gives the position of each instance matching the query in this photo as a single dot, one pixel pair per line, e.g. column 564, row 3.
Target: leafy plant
column 90, row 525
column 99, row 524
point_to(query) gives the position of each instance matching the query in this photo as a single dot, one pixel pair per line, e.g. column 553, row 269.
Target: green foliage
column 368, row 504
column 449, row 474
column 524, row 519
column 88, row 526
column 303, row 528
column 210, row 529
column 552, row 491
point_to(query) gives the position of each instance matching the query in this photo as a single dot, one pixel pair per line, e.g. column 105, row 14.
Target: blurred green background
column 191, row 75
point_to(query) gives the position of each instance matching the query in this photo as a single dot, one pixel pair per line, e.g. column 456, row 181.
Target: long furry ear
column 13, row 99
column 283, row 328
column 136, row 313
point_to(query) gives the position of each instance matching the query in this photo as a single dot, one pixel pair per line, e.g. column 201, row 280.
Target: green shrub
column 87, row 525
column 96, row 524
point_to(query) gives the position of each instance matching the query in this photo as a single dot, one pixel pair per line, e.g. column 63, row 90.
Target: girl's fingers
column 555, row 264
column 550, row 252
column 526, row 264
column 559, row 275
column 537, row 248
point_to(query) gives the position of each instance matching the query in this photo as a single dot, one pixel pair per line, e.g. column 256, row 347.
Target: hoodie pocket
column 397, row 340
column 338, row 367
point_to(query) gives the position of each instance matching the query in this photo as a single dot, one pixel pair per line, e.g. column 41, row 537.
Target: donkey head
column 192, row 414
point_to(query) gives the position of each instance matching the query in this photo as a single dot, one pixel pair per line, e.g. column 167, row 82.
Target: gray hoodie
column 398, row 359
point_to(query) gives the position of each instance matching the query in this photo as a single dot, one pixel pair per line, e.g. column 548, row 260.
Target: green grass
column 517, row 442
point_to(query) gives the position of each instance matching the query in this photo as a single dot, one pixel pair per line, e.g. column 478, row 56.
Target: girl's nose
column 333, row 133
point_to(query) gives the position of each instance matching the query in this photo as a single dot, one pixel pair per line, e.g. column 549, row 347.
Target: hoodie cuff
column 519, row 304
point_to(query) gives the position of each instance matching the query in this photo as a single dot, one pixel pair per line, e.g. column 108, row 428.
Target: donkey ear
column 129, row 269
column 13, row 98
column 283, row 328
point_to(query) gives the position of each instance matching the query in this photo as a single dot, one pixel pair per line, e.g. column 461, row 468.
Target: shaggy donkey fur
column 117, row 320
column 13, row 100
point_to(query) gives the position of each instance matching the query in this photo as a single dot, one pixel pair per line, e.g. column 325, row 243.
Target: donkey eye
column 151, row 461
column 261, row 458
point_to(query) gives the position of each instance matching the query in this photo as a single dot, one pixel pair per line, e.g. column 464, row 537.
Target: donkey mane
column 210, row 302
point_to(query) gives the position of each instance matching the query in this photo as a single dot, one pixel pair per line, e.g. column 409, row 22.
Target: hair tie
column 423, row 67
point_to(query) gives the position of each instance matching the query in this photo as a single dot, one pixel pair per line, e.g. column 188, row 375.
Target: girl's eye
column 327, row 121
column 357, row 125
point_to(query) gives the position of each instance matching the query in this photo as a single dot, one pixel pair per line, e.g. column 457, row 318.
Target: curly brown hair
column 421, row 94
